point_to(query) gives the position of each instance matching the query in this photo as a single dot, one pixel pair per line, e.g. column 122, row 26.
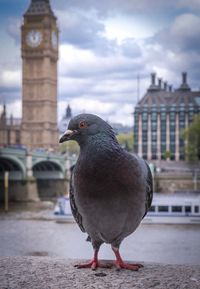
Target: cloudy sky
column 104, row 46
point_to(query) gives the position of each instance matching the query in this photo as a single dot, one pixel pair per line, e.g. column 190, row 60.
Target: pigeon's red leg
column 122, row 265
column 93, row 264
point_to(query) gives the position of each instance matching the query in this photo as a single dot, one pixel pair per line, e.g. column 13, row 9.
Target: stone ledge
column 49, row 273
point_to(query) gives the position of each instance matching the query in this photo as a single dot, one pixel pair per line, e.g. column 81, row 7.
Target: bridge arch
column 14, row 166
column 47, row 169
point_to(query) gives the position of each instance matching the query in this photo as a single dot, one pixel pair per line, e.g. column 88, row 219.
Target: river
column 174, row 244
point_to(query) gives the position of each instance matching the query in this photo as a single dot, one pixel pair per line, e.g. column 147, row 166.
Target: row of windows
column 172, row 115
column 175, row 209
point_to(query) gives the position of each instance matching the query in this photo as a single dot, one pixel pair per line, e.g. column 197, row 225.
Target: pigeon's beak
column 67, row 135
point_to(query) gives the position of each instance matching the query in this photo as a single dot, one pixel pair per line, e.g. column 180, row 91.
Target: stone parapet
column 44, row 272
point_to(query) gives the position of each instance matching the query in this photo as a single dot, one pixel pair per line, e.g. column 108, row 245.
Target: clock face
column 34, row 38
column 54, row 39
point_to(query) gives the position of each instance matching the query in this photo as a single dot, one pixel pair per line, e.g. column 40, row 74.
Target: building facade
column 160, row 117
column 39, row 50
column 10, row 129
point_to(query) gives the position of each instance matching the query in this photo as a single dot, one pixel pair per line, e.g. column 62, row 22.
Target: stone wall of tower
column 39, row 78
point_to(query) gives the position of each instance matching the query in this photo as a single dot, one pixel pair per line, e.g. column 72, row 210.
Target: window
column 172, row 124
column 154, row 136
column 144, row 149
column 188, row 209
column 144, row 125
column 152, row 209
column 163, row 136
column 154, row 126
column 181, row 116
column 172, row 115
column 163, row 115
column 144, row 116
column 154, row 116
column 182, row 124
column 176, row 209
column 196, row 209
column 162, row 208
column 144, row 137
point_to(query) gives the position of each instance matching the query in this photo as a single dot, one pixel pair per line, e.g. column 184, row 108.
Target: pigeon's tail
column 149, row 190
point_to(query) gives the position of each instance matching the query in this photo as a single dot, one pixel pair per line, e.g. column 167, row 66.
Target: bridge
column 34, row 174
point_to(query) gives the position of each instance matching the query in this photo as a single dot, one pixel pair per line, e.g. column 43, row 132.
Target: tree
column 191, row 135
column 126, row 140
column 167, row 155
column 70, row 147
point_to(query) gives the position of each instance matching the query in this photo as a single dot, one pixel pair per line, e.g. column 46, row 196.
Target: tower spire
column 40, row 7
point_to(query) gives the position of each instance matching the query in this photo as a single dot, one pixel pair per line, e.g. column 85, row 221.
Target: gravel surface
column 48, row 273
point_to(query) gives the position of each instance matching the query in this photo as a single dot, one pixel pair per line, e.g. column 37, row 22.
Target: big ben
column 39, row 35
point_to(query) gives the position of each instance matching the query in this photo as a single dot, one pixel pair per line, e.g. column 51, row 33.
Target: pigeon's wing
column 74, row 209
column 149, row 190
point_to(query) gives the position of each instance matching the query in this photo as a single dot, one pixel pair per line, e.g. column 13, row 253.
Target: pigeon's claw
column 120, row 264
column 93, row 264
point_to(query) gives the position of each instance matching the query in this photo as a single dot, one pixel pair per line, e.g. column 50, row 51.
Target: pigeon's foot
column 120, row 264
column 93, row 264
column 128, row 266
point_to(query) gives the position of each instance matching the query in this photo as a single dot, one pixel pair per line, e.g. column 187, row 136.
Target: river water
column 174, row 244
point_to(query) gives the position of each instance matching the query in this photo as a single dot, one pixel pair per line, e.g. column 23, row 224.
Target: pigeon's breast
column 109, row 197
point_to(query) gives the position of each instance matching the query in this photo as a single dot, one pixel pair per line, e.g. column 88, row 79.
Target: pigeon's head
column 83, row 126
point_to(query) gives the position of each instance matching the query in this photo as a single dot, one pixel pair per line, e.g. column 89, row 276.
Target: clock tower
column 39, row 35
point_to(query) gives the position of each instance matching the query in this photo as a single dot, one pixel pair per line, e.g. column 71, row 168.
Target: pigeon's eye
column 82, row 124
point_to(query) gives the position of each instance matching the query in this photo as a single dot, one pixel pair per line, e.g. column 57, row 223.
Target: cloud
column 130, row 48
column 193, row 5
column 13, row 29
column 84, row 31
column 105, row 78
column 105, row 8
column 110, row 111
column 81, row 63
column 182, row 35
column 10, row 78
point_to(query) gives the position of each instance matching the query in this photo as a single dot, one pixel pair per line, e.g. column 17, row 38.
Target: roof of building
column 39, row 7
column 168, row 98
column 159, row 96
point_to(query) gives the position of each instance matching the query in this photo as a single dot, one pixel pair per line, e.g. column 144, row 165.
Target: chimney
column 184, row 86
column 160, row 83
column 170, row 88
column 153, row 78
column 184, row 78
column 165, row 86
column 153, row 87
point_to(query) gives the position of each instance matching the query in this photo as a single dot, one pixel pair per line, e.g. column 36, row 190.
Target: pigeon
column 110, row 189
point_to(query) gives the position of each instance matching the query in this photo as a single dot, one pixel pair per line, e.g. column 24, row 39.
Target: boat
column 165, row 209
column 174, row 209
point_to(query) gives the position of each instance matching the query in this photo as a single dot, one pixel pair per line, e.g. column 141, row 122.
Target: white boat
column 174, row 209
column 165, row 209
